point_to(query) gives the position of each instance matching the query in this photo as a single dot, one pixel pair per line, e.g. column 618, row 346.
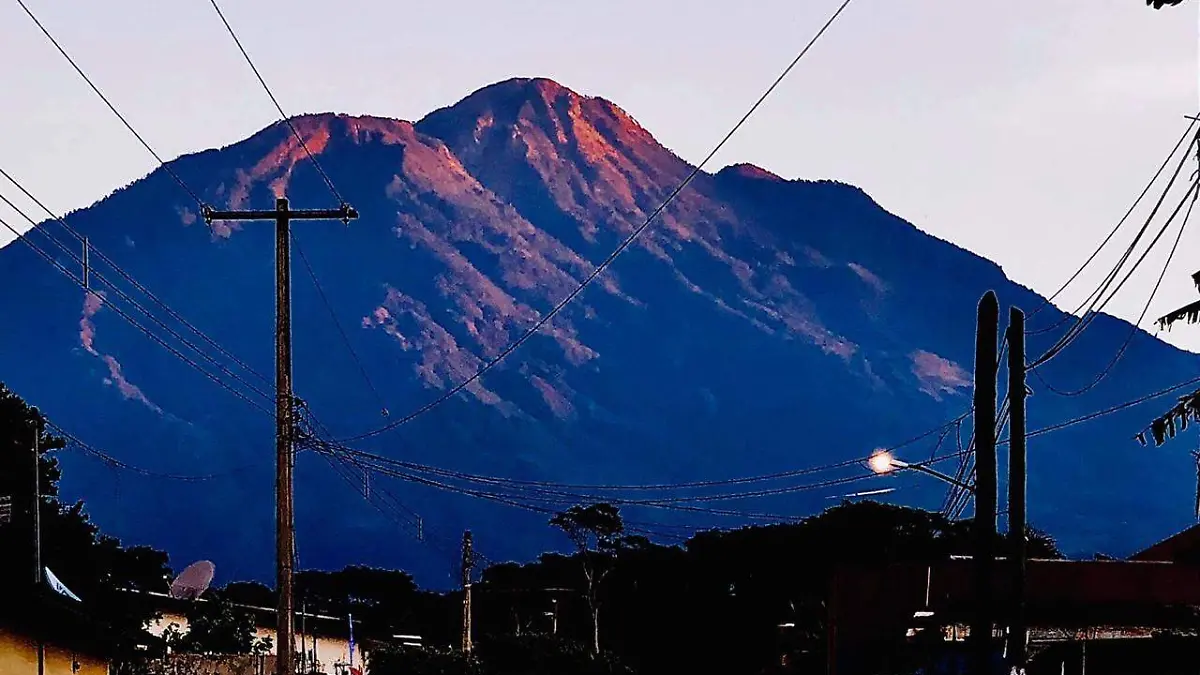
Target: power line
column 328, row 182
column 1135, row 327
column 544, row 495
column 115, row 463
column 171, row 172
column 1075, row 331
column 640, row 487
column 392, row 509
column 315, row 442
column 1110, row 410
column 1120, row 223
column 1095, row 296
column 121, row 294
column 1085, row 320
column 1095, row 302
column 525, row 488
column 565, row 498
column 956, row 496
column 957, row 501
column 333, row 190
column 537, row 326
column 339, row 463
column 133, row 322
column 537, row 486
column 531, row 503
column 362, row 369
column 125, row 275
column 561, row 496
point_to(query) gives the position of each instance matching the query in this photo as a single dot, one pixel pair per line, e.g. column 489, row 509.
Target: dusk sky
column 1018, row 129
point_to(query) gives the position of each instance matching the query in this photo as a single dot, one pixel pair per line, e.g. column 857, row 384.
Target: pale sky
column 1018, row 129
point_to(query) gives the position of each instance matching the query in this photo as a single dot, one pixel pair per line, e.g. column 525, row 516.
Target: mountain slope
column 759, row 325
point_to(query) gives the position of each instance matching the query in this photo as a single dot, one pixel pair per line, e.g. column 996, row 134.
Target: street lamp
column 882, row 461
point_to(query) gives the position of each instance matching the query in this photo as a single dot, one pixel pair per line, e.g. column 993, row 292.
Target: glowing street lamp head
column 882, row 461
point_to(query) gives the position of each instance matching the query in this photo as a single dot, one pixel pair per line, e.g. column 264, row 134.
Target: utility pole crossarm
column 345, row 214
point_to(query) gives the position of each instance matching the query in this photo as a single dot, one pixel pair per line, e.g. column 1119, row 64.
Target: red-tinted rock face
column 470, row 169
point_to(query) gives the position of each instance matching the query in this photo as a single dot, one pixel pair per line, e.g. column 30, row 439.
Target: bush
column 529, row 655
column 421, row 661
column 545, row 655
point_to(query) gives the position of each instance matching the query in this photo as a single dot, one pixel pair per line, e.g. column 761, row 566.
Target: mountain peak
column 268, row 159
column 542, row 86
column 534, row 104
column 750, row 171
column 534, row 138
column 519, row 90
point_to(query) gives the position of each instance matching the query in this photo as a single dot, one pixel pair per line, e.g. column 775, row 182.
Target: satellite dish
column 193, row 581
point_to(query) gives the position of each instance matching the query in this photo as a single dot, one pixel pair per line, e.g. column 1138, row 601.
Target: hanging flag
column 350, row 619
column 59, row 587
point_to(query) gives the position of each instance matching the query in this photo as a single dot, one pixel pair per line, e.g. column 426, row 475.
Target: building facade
column 323, row 642
column 1098, row 616
column 19, row 654
column 72, row 641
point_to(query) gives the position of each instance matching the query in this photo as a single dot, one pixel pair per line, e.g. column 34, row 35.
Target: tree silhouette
column 598, row 533
column 216, row 626
column 94, row 566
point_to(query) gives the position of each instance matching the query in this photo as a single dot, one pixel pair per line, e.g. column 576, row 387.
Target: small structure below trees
column 1110, row 614
column 246, row 635
column 73, row 642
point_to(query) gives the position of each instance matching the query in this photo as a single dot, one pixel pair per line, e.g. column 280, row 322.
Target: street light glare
column 882, row 461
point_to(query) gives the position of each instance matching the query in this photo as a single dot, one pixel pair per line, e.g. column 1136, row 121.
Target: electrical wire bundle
column 1079, row 319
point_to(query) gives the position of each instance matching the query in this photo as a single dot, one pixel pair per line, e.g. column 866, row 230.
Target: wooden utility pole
column 37, row 510
column 468, row 564
column 1018, row 548
column 37, row 535
column 986, row 358
column 1196, row 458
column 285, row 427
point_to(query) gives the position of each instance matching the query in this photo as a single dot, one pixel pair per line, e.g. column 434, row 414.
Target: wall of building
column 19, row 655
column 327, row 650
column 160, row 625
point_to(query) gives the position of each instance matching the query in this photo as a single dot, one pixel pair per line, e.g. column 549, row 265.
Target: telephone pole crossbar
column 285, row 429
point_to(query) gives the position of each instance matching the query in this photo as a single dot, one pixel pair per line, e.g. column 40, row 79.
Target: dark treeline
column 718, row 603
column 95, row 566
column 715, row 604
